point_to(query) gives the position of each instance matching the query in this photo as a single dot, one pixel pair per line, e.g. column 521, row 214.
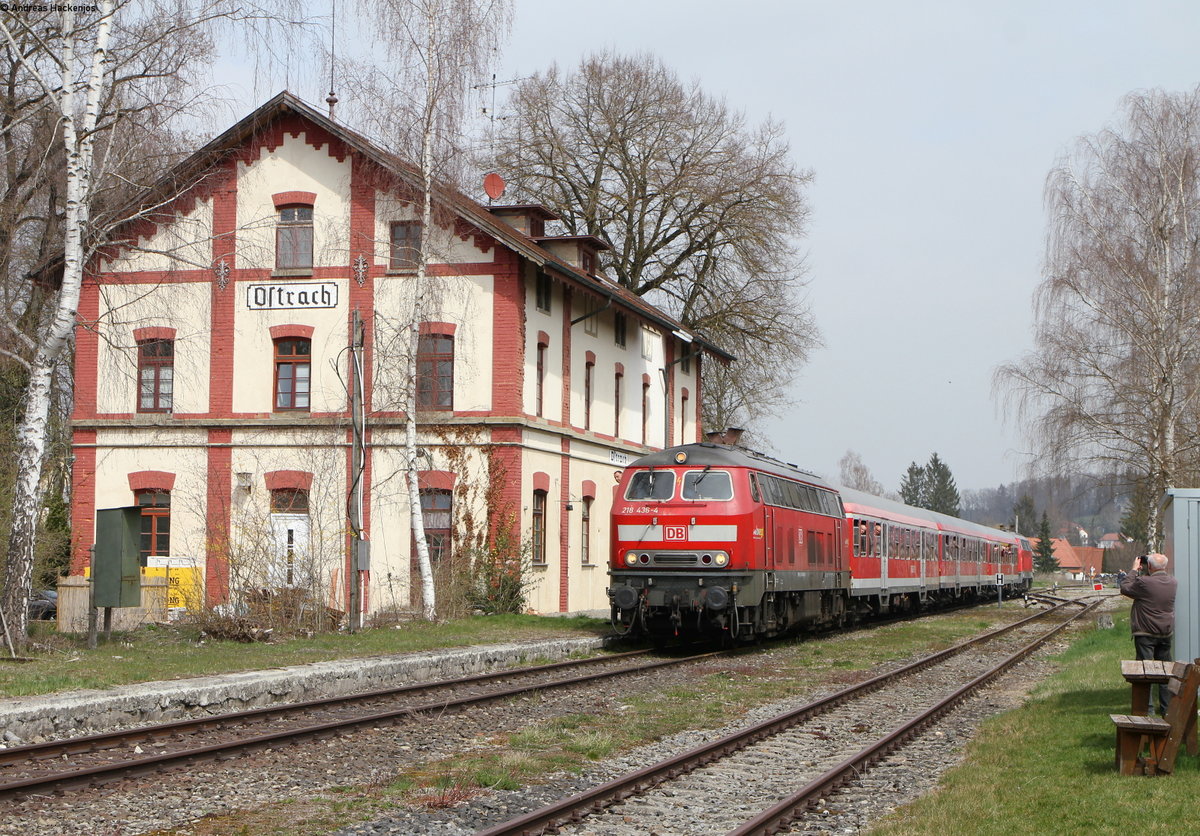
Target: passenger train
column 714, row 539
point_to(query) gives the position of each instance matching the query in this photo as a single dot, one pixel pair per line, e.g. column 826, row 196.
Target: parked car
column 43, row 605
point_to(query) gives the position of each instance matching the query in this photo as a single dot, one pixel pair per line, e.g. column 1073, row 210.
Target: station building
column 215, row 376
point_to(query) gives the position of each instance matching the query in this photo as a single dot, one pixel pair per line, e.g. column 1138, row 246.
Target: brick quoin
column 564, row 527
column 221, row 347
column 566, row 356
column 508, row 334
column 506, row 466
column 87, row 350
column 220, row 489
column 362, row 299
column 83, row 499
column 669, row 359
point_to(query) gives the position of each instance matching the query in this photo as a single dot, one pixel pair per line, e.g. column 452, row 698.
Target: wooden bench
column 1141, row 675
column 1148, row 745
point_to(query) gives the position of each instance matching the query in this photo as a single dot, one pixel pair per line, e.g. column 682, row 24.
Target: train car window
column 811, row 503
column 789, row 494
column 800, row 497
column 773, row 490
column 707, row 484
column 651, row 484
column 754, row 495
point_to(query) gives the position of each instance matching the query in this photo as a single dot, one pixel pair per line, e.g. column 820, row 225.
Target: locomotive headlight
column 721, row 559
column 630, row 558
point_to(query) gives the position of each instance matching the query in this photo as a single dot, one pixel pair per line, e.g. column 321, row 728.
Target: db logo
column 675, row 532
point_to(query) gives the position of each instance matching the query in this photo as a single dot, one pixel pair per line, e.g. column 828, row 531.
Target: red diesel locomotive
column 710, row 538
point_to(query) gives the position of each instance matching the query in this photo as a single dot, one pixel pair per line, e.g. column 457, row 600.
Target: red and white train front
column 711, row 538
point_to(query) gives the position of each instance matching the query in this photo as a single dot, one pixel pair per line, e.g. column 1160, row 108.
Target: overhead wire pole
column 359, row 550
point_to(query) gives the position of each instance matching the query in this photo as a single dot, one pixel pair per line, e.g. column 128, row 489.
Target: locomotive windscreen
column 651, row 484
column 707, row 484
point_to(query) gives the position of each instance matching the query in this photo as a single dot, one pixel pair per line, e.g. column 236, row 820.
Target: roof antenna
column 332, row 98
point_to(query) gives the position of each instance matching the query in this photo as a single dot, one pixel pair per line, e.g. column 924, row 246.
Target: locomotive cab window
column 707, row 484
column 651, row 484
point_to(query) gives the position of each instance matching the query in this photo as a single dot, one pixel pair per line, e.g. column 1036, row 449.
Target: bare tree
column 1114, row 378
column 95, row 82
column 436, row 49
column 703, row 212
column 855, row 474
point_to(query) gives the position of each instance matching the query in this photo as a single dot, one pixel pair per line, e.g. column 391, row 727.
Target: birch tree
column 1114, row 379
column 437, row 48
column 100, row 83
column 702, row 210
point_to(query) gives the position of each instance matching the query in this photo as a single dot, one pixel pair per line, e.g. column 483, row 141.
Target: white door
column 290, row 564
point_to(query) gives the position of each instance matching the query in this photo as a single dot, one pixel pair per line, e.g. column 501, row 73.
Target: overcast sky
column 930, row 128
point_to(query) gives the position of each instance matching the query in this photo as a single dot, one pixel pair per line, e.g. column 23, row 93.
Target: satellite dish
column 494, row 185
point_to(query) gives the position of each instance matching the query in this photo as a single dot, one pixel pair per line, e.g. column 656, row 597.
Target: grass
column 569, row 742
column 1048, row 766
column 64, row 662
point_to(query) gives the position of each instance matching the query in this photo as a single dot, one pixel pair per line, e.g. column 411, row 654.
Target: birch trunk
column 33, row 430
column 428, row 593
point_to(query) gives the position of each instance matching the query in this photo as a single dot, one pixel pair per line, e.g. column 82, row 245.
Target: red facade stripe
column 442, row 329
column 83, row 499
column 564, row 527
column 220, row 489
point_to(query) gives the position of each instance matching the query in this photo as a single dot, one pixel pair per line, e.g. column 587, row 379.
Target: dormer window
column 587, row 260
column 294, row 238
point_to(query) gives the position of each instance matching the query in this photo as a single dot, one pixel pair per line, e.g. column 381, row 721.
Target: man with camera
column 1152, row 616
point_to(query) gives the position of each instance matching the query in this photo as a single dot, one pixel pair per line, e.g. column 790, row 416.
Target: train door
column 881, row 543
column 769, row 540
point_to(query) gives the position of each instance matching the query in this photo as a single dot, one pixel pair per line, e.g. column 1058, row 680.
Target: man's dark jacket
column 1153, row 611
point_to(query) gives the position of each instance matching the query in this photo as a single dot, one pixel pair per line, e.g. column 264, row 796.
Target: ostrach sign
column 290, row 295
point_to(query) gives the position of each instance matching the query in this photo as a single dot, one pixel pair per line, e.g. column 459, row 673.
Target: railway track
column 94, row 760
column 762, row 778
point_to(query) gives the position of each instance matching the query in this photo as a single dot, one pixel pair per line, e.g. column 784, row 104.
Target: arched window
column 156, row 375
column 585, row 538
column 293, row 365
column 589, row 372
column 156, row 523
column 438, row 515
column 294, row 238
column 435, row 371
column 406, row 245
column 539, row 527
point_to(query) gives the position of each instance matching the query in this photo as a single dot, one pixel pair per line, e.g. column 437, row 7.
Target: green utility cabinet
column 116, row 567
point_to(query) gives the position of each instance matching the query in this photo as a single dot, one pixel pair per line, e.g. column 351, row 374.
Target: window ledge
column 400, row 271
column 292, row 272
